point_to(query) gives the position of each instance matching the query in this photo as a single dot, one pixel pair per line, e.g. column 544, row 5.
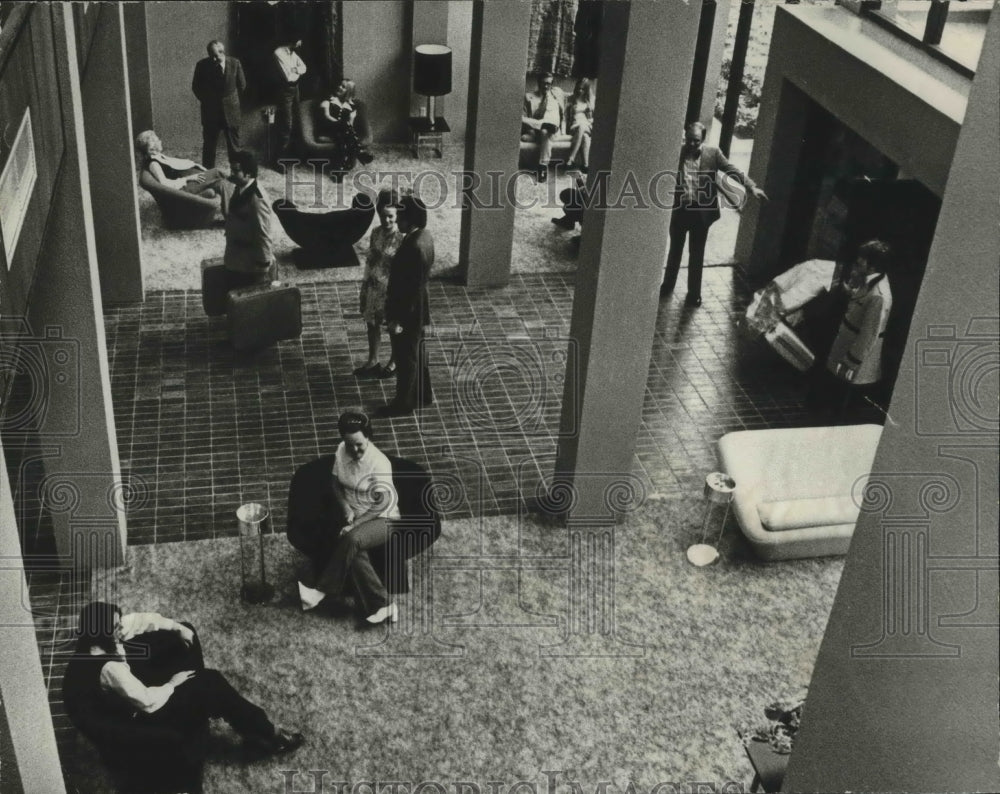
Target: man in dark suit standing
column 406, row 309
column 249, row 258
column 218, row 82
column 696, row 207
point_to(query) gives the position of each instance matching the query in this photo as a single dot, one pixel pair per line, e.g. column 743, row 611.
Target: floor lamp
column 432, row 74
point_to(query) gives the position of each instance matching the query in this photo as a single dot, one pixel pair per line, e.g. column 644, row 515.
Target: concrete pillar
column 496, row 95
column 714, row 71
column 82, row 487
column 29, row 755
column 113, row 189
column 644, row 75
column 916, row 709
column 429, row 26
column 140, row 88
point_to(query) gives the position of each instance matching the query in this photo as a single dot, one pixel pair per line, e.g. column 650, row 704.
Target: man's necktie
column 543, row 105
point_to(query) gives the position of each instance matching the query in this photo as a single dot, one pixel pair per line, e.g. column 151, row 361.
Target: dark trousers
column 210, row 140
column 686, row 223
column 349, row 562
column 208, row 694
column 153, row 658
column 834, row 401
column 284, row 116
column 215, row 181
column 573, row 204
column 413, row 378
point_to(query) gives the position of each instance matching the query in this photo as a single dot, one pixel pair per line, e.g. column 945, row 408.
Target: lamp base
column 701, row 554
column 257, row 593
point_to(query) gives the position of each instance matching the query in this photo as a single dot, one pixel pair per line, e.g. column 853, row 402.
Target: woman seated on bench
column 180, row 173
column 336, row 124
column 581, row 106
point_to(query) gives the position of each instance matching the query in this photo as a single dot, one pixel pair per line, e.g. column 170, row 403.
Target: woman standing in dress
column 385, row 239
column 337, row 116
column 581, row 106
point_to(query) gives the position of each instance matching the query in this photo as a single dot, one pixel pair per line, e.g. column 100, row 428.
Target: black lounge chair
column 314, row 518
column 326, row 239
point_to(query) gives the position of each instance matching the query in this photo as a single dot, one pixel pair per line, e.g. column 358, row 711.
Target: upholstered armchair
column 314, row 146
column 315, row 518
column 178, row 209
column 326, row 239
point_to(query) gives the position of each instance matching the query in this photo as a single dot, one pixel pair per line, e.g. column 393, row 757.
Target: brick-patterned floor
column 202, row 429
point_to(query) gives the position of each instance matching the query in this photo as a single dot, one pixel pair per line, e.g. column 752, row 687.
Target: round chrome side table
column 719, row 490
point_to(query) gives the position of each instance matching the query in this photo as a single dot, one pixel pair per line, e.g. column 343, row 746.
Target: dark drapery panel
column 260, row 27
column 552, row 36
column 587, row 44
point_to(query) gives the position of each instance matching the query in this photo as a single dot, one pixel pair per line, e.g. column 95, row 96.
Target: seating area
column 627, row 526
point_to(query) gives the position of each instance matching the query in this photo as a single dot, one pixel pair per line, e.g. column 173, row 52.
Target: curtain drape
column 551, row 37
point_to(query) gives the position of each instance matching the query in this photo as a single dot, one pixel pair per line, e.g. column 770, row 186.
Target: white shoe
column 310, row 598
column 390, row 613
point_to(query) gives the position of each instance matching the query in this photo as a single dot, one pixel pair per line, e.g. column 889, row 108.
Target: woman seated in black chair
column 336, row 124
column 180, row 173
column 138, row 688
column 363, row 491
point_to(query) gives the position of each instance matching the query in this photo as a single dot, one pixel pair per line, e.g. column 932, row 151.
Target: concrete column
column 714, row 71
column 140, row 88
column 496, row 95
column 644, row 75
column 429, row 26
column 113, row 189
column 82, row 487
column 24, row 705
column 896, row 711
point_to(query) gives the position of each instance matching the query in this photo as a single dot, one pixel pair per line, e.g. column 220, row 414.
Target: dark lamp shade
column 432, row 70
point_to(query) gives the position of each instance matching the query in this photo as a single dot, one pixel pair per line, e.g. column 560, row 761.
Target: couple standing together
column 394, row 294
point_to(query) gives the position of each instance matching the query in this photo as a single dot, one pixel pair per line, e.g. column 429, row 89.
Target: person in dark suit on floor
column 249, row 256
column 218, row 83
column 406, row 309
column 138, row 687
column 696, row 207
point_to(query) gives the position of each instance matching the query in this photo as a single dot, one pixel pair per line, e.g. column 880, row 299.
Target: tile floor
column 202, row 429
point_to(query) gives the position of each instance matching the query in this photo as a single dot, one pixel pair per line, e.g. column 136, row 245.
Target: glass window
column 910, row 15
column 964, row 31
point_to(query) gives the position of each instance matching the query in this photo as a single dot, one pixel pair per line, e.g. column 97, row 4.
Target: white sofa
column 798, row 490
